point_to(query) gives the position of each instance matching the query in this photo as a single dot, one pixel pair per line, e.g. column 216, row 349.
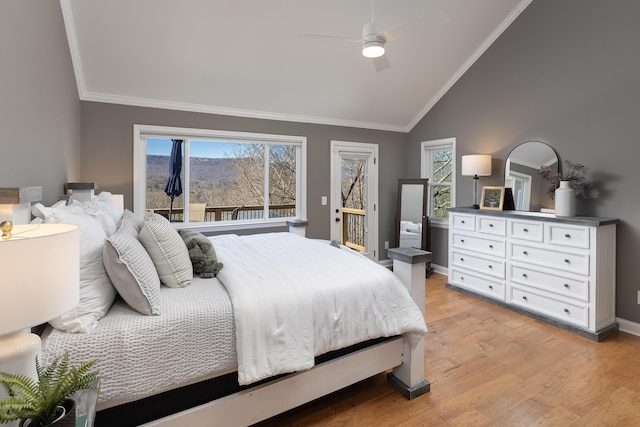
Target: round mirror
column 521, row 174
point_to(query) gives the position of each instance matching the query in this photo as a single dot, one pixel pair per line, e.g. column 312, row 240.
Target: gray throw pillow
column 131, row 270
column 203, row 256
column 167, row 251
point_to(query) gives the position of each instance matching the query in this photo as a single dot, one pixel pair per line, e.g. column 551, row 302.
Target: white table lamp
column 476, row 165
column 39, row 280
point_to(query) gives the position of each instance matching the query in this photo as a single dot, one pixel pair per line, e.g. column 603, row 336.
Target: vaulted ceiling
column 294, row 60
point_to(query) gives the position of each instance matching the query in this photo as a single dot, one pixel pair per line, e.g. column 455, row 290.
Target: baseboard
column 629, row 326
column 440, row 269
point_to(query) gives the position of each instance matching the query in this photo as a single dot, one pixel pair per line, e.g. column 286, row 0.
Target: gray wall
column 39, row 107
column 107, row 154
column 566, row 73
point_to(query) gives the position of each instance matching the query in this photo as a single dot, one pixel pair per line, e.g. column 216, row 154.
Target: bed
column 286, row 319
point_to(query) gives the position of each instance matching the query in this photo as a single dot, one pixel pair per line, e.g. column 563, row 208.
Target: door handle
column 337, row 219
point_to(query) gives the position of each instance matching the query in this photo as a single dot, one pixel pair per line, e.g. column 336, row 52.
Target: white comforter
column 294, row 298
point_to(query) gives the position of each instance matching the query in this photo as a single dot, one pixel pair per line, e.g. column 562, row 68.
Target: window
column 439, row 166
column 228, row 178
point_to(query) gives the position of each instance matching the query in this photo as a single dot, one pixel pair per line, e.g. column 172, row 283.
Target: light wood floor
column 491, row 367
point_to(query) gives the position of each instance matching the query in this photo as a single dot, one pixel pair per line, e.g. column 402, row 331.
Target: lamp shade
column 476, row 164
column 39, row 274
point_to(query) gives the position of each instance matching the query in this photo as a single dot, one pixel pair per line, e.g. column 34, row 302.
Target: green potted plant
column 47, row 400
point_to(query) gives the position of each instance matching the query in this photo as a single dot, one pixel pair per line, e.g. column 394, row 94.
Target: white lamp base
column 18, row 352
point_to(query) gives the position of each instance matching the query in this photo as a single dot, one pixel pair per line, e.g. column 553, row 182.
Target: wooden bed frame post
column 409, row 265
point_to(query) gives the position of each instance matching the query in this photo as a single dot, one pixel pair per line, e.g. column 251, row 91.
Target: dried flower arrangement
column 576, row 175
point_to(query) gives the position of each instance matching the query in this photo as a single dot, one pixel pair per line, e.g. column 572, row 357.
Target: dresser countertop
column 590, row 221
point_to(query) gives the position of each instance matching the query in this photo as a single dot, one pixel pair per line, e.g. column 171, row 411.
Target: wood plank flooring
column 489, row 366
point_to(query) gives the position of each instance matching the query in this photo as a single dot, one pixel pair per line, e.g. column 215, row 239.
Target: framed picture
column 492, row 198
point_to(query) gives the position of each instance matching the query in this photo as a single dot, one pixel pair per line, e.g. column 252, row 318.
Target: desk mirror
column 521, row 174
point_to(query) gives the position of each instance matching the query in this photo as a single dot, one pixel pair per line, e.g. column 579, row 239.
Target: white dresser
column 559, row 270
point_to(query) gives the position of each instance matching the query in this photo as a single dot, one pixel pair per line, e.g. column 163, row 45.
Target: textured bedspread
column 294, row 298
column 192, row 339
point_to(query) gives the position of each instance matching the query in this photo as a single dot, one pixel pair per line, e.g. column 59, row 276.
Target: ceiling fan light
column 373, row 49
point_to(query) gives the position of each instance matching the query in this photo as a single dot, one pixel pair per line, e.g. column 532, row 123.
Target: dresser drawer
column 560, row 285
column 494, row 226
column 463, row 222
column 491, row 288
column 572, row 262
column 478, row 264
column 482, row 245
column 564, row 235
column 570, row 313
column 526, row 230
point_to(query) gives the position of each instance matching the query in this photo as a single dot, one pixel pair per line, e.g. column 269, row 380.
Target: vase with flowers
column 564, row 188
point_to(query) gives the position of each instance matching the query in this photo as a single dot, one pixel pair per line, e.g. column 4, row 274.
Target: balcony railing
column 231, row 213
column 353, row 228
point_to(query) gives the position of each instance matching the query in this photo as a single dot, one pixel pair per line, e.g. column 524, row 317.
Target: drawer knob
column 525, row 253
column 566, row 285
column 524, row 297
column 461, row 240
column 462, row 222
column 461, row 277
column 490, row 225
column 526, row 230
column 567, row 260
column 524, row 275
column 462, row 259
column 490, row 286
column 566, row 310
column 490, row 246
column 490, row 266
column 568, row 236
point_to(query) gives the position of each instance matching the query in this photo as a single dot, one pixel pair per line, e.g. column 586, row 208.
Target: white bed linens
column 192, row 339
column 294, row 298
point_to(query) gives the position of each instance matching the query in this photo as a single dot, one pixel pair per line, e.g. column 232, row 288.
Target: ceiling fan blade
column 381, row 63
column 329, row 37
column 431, row 18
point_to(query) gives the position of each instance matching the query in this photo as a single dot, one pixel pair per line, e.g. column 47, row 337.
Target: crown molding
column 210, row 109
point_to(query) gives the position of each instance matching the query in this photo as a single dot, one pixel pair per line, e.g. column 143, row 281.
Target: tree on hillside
column 353, row 184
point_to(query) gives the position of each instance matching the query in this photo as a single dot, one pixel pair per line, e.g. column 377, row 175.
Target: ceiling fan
column 373, row 39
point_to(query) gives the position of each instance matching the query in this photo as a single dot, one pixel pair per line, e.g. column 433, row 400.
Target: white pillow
column 131, row 270
column 103, row 209
column 105, row 200
column 167, row 250
column 95, row 210
column 96, row 291
column 40, row 211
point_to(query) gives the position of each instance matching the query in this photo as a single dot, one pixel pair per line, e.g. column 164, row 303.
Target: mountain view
column 211, row 180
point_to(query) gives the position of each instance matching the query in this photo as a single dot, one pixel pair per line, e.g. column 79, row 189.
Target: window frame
column 141, row 132
column 426, row 148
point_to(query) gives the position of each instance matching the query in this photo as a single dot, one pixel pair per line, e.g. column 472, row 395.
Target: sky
column 209, row 149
